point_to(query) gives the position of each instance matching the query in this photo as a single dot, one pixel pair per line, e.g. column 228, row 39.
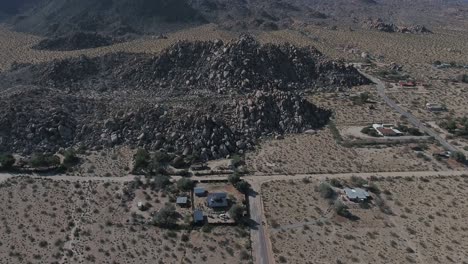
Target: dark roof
column 217, row 200
column 198, row 216
column 386, row 131
column 357, row 193
column 182, row 200
column 198, row 190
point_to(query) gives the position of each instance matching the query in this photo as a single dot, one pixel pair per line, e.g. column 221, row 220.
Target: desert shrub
column 358, row 181
column 463, row 78
column 160, row 182
column 166, row 217
column 185, row 184
column 6, row 161
column 383, row 206
column 374, row 188
column 70, row 159
column 336, row 183
column 236, row 161
column 41, row 160
column 335, row 132
column 326, row 191
column 341, row 209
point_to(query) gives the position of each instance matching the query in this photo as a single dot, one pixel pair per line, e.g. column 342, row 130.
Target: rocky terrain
column 203, row 100
column 380, row 25
column 195, row 68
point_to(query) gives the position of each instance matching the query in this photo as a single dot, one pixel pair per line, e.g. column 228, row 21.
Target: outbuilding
column 198, row 217
column 182, row 201
column 199, row 191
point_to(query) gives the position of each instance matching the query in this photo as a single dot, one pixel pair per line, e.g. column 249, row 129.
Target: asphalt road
column 411, row 118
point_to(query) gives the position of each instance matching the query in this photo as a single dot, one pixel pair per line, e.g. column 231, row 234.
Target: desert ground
column 51, row 221
column 320, row 153
column 418, row 220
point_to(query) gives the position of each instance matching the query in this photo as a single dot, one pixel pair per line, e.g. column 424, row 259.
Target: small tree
column 326, row 191
column 458, row 156
column 185, row 184
column 141, row 160
column 234, row 178
column 166, row 217
column 341, row 208
column 236, row 212
column 243, row 186
column 6, row 161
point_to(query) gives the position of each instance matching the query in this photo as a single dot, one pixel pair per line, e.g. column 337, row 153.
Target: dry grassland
column 111, row 162
column 427, row 223
column 47, row 221
column 319, row 153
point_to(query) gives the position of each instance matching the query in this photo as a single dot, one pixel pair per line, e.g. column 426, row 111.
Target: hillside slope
column 57, row 17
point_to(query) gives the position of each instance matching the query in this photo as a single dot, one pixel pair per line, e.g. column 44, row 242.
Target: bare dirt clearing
column 426, row 224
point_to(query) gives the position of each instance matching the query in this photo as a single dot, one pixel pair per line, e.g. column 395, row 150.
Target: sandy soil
column 320, row 153
column 46, row 221
column 426, row 224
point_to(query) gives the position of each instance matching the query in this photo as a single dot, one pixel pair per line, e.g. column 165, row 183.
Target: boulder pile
column 236, row 67
column 380, row 25
column 42, row 120
column 203, row 100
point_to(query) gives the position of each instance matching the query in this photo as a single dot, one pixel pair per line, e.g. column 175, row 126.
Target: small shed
column 199, row 191
column 198, row 217
column 182, row 201
column 356, row 195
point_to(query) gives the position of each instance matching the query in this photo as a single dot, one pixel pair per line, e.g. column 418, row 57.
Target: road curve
column 410, row 117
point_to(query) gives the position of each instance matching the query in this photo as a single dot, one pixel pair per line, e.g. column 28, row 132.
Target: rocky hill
column 198, row 99
column 187, row 68
column 58, row 17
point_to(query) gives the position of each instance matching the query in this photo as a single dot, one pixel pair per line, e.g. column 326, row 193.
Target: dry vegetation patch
column 52, row 221
column 415, row 220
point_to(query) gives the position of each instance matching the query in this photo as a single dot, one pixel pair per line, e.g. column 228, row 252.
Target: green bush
column 185, row 184
column 41, row 160
column 458, row 156
column 70, row 159
column 234, row 178
column 243, row 186
column 6, row 161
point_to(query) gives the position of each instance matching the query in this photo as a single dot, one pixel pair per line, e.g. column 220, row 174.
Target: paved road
column 411, row 118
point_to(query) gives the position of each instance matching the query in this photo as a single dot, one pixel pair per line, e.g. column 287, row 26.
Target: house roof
column 217, row 200
column 386, row 131
column 198, row 216
column 357, row 193
column 182, row 200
